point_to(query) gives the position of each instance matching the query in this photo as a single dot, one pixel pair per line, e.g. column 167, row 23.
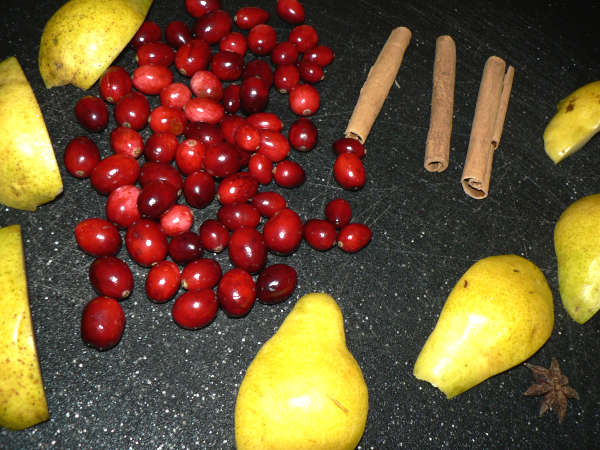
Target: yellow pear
column 576, row 121
column 577, row 246
column 499, row 314
column 84, row 37
column 29, row 173
column 304, row 389
column 22, row 397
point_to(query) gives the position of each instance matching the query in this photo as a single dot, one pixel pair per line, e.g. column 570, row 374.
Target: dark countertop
column 163, row 387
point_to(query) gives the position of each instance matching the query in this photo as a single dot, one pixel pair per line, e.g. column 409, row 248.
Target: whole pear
column 22, row 397
column 84, row 37
column 29, row 174
column 577, row 247
column 304, row 389
column 499, row 314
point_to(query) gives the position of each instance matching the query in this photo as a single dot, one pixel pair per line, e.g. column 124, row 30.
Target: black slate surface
column 164, row 387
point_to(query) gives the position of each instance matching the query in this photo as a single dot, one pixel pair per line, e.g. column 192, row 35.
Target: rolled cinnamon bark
column 490, row 111
column 377, row 85
column 437, row 147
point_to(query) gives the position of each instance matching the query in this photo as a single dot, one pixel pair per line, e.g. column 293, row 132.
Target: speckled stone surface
column 164, row 387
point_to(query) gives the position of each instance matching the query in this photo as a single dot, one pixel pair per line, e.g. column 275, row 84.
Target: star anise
column 554, row 386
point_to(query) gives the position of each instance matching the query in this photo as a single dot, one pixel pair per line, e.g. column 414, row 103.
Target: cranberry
column 203, row 273
column 102, row 323
column 283, row 231
column 237, row 215
column 229, row 126
column 304, row 100
column 199, row 189
column 310, row 72
column 354, row 237
column 81, row 156
column 178, row 33
column 266, row 121
column 349, row 171
column 206, row 84
column 289, row 174
column 121, row 205
column 276, row 283
column 146, row 242
column 98, row 237
column 114, row 84
column 274, row 145
column 304, row 36
column 148, row 32
column 227, row 66
column 161, row 147
column 111, row 277
column 339, row 212
column 167, row 120
column 349, row 145
column 156, row 197
column 114, row 171
column 284, row 53
column 150, row 79
column 204, row 110
column 254, row 95
column 262, row 39
column 247, row 249
column 192, row 57
column 248, row 17
column 321, row 55
column 244, row 157
column 303, row 134
column 199, row 8
column 320, row 234
column 153, row 171
column 126, row 141
column 291, row 11
column 269, row 202
column 236, row 292
column 214, row 235
column 132, row 110
column 234, row 42
column 91, row 112
column 286, row 78
column 195, row 309
column 258, row 68
column 177, row 219
column 206, row 133
column 185, row 247
column 261, row 168
column 247, row 137
column 155, row 53
column 237, row 188
column 231, row 98
column 213, row 26
column 175, row 95
column 222, row 160
column 189, row 156
column 163, row 281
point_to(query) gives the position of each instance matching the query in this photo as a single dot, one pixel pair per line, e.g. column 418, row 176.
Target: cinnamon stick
column 437, row 147
column 378, row 83
column 488, row 122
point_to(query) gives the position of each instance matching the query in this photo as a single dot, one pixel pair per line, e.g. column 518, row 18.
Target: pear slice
column 29, row 173
column 576, row 121
column 84, row 37
column 22, row 398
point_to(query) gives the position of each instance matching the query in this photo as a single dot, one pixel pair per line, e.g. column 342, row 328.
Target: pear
column 577, row 247
column 304, row 389
column 84, row 37
column 29, row 173
column 22, row 397
column 499, row 314
column 576, row 121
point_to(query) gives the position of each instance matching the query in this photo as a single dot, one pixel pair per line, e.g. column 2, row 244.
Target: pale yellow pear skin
column 576, row 121
column 22, row 398
column 84, row 37
column 499, row 314
column 577, row 247
column 29, row 173
column 304, row 389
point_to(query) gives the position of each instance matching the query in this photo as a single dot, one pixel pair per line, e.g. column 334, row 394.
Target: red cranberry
column 185, row 247
column 231, row 98
column 321, row 55
column 349, row 145
column 177, row 219
column 354, row 237
column 310, row 72
column 195, row 309
column 189, row 156
column 284, row 53
column 250, row 16
column 161, row 147
column 214, row 235
column 262, row 39
column 303, row 134
column 121, row 206
column 234, row 42
column 111, row 277
column 276, row 283
column 192, row 57
column 291, row 11
column 204, row 110
column 258, row 68
column 288, row 174
column 175, row 95
column 247, row 249
column 199, row 8
column 98, row 237
column 126, row 141
column 237, row 215
column 236, row 292
column 213, row 26
column 206, row 133
column 114, row 84
column 132, row 110
column 254, row 95
column 269, row 202
column 283, row 232
column 203, row 273
column 222, row 160
column 150, row 79
column 153, row 171
column 102, row 323
column 178, row 33
column 204, row 83
column 167, row 120
column 114, row 171
column 286, row 78
column 274, row 145
column 199, row 189
column 339, row 212
column 265, row 121
column 304, row 100
column 261, row 168
column 304, row 36
column 247, row 137
column 156, row 197
column 91, row 112
column 155, row 53
column 320, row 234
column 146, row 242
column 229, row 126
column 227, row 66
column 163, row 281
column 237, row 188
column 148, row 32
column 81, row 156
column 349, row 171
column 244, row 157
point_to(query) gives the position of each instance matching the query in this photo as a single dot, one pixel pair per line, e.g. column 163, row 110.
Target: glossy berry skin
column 237, row 188
column 303, row 134
column 206, row 133
column 178, row 33
column 175, row 95
column 199, row 8
column 237, row 215
column 213, row 26
column 248, row 17
column 126, row 141
column 321, row 55
column 286, row 78
column 121, row 206
column 91, row 113
column 146, row 242
column 199, row 189
column 258, row 68
column 283, row 232
column 254, row 95
column 195, row 309
column 81, row 156
column 114, row 171
column 102, row 323
column 114, row 84
column 192, row 57
column 157, row 53
column 202, row 273
column 189, row 156
column 261, row 168
column 349, row 145
column 161, row 147
column 177, row 219
column 349, row 171
column 234, row 42
column 291, row 11
column 213, row 235
column 304, row 36
column 222, row 160
column 98, row 237
column 247, row 137
column 205, row 110
column 284, row 53
column 354, row 237
column 276, row 283
column 163, row 281
column 247, row 249
column 231, row 98
column 206, row 84
column 289, row 174
column 274, row 145
column 148, row 32
column 153, row 171
column 310, row 71
column 320, row 234
column 150, row 79
column 167, row 120
column 111, row 277
column 236, row 292
column 304, row 100
column 339, row 212
column 266, row 121
column 156, row 198
column 262, row 39
column 132, row 110
column 269, row 202
column 185, row 247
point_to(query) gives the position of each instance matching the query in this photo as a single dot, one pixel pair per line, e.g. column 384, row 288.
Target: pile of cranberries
column 211, row 138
